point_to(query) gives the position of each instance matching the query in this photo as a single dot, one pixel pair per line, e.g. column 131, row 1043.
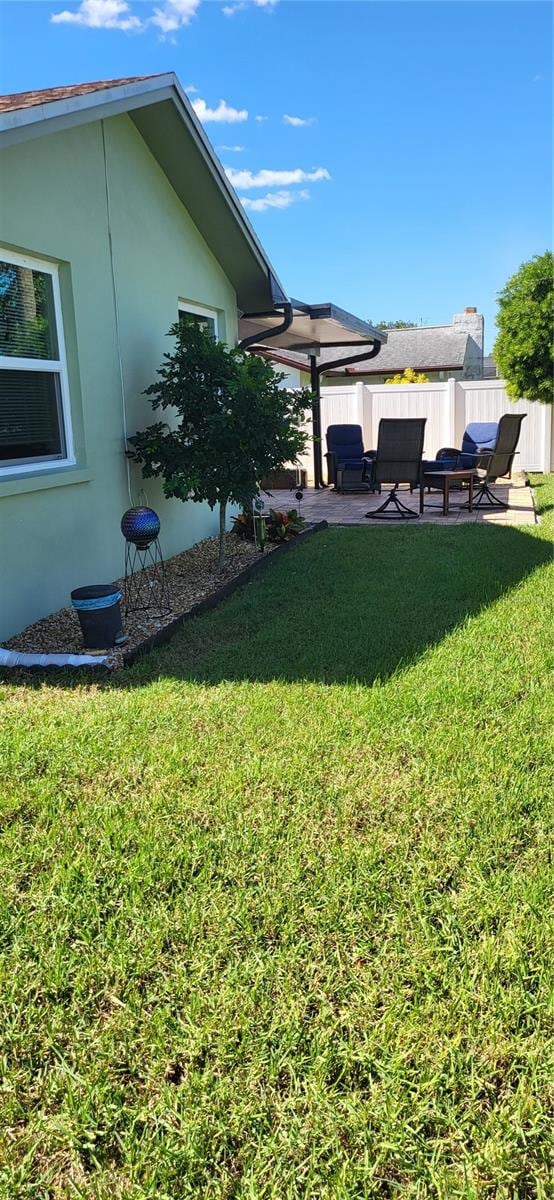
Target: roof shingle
column 434, row 347
column 16, row 100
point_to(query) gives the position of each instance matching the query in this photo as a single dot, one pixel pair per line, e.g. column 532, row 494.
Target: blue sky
column 416, row 173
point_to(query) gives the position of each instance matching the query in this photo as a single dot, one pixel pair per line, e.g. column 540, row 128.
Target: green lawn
column 276, row 904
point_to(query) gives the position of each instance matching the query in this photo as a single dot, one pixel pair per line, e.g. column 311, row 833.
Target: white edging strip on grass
column 14, row 658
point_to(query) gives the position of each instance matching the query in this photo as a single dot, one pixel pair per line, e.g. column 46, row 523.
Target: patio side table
column 444, row 479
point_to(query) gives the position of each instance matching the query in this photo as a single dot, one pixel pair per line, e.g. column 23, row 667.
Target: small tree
column 523, row 350
column 408, row 376
column 235, row 423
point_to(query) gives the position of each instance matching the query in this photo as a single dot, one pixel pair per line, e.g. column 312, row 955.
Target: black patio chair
column 398, row 460
column 499, row 462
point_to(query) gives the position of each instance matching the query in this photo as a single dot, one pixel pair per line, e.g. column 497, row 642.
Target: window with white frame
column 206, row 318
column 35, row 426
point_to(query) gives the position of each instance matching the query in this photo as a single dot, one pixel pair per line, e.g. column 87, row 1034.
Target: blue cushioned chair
column 479, row 437
column 348, row 464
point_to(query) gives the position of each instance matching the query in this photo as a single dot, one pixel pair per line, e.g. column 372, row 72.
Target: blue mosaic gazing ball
column 140, row 526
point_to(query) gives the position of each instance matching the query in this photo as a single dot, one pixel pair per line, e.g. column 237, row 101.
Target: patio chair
column 487, row 446
column 397, row 460
column 479, row 439
column 499, row 461
column 348, row 464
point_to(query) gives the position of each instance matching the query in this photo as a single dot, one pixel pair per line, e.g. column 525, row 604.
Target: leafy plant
column 524, row 348
column 235, row 423
column 243, row 526
column 408, row 376
column 251, row 527
column 282, row 526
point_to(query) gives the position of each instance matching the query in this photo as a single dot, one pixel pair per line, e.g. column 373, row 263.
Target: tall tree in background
column 396, row 325
column 524, row 348
column 234, row 423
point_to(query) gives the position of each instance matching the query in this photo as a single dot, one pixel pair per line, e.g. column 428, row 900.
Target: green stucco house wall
column 117, row 202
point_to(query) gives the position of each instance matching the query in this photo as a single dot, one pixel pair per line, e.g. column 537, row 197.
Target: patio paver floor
column 350, row 509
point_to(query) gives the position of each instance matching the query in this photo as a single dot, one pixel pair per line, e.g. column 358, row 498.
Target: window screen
column 202, row 319
column 31, row 414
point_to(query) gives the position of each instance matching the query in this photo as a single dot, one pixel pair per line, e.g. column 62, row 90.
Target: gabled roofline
column 74, row 110
column 22, row 124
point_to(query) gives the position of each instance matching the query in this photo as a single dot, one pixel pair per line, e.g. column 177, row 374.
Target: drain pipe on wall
column 115, row 305
column 255, row 338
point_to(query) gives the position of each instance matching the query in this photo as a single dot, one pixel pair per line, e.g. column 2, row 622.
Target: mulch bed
column 194, row 583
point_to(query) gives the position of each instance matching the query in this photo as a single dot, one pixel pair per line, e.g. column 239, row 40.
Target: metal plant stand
column 146, row 588
column 299, row 493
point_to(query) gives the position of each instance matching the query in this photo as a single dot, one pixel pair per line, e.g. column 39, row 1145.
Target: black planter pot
column 99, row 614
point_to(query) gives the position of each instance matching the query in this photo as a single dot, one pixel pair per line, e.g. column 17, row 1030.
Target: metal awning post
column 310, row 328
column 315, row 384
column 316, row 371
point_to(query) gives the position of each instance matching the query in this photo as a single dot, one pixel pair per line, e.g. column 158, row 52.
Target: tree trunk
column 221, row 556
column 27, row 291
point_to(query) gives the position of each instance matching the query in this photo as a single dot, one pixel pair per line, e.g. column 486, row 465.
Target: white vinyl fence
column 448, row 407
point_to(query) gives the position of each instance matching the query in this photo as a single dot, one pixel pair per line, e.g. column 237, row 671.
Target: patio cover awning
column 313, row 327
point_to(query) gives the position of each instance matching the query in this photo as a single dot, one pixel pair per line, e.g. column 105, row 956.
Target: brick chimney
column 472, row 322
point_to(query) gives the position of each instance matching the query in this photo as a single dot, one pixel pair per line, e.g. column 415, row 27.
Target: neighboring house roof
column 164, row 117
column 434, row 348
column 288, row 358
column 490, row 370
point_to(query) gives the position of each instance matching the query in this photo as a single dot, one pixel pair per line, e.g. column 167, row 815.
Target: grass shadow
column 349, row 605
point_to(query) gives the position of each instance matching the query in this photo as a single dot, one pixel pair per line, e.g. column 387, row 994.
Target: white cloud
column 191, row 89
column 100, row 14
column 116, row 14
column 229, row 10
column 248, row 179
column 173, row 14
column 259, row 118
column 281, row 199
column 298, row 121
column 223, row 112
column 232, row 149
